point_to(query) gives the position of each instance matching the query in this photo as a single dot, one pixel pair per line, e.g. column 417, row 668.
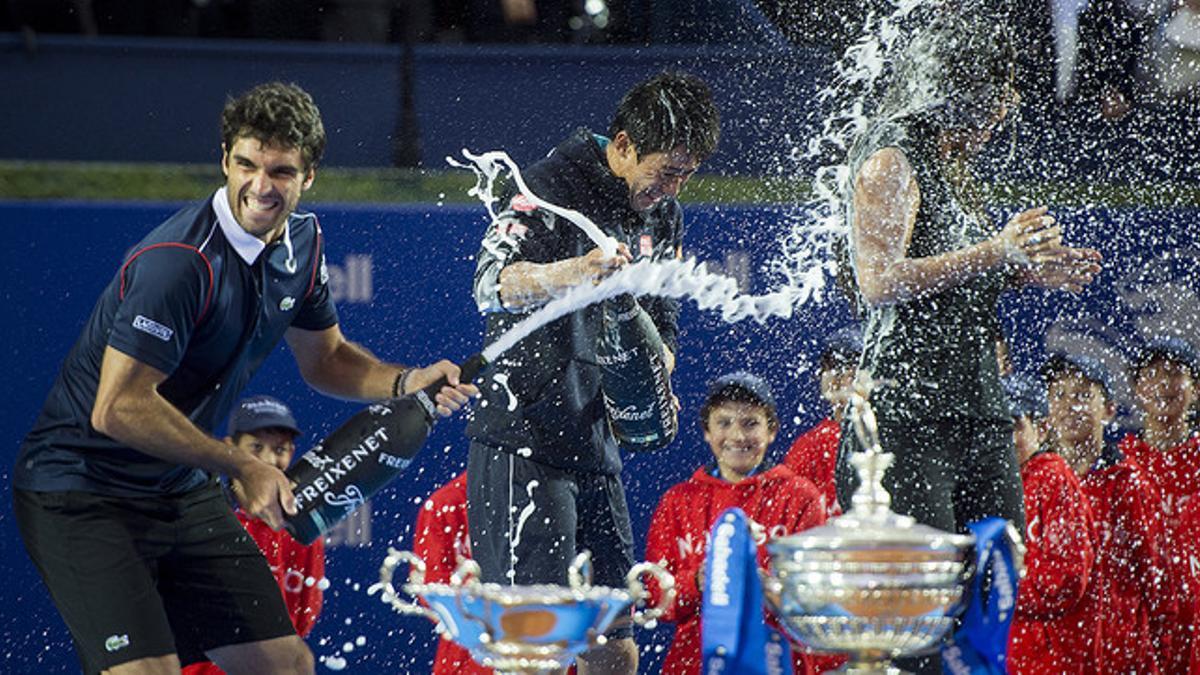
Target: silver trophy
column 524, row 629
column 871, row 583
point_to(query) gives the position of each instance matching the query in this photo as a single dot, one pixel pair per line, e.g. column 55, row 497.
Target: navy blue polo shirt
column 199, row 299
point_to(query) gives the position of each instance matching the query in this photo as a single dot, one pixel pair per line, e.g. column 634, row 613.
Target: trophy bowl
column 871, row 583
column 870, row 587
column 523, row 629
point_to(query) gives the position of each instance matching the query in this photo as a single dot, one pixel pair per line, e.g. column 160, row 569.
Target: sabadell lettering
column 720, row 567
column 1003, row 583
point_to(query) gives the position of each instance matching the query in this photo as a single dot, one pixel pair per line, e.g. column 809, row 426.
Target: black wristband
column 398, row 383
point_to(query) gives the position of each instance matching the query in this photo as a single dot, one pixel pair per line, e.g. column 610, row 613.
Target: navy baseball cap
column 1026, row 395
column 753, row 385
column 1091, row 369
column 1171, row 348
column 844, row 345
column 261, row 412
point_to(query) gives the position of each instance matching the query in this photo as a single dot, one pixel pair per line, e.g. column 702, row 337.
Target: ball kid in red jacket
column 739, row 422
column 813, row 454
column 1045, row 638
column 1164, row 379
column 441, row 540
column 1126, row 587
column 265, row 427
column 1189, row 538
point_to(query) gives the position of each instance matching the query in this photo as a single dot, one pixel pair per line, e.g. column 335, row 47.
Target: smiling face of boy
column 738, row 435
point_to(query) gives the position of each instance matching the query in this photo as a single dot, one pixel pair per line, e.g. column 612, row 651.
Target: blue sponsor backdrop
column 159, row 100
column 402, row 275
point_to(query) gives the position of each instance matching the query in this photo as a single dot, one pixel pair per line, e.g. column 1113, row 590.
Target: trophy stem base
column 881, row 667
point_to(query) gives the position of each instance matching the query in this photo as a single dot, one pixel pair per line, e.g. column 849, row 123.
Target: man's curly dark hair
column 277, row 114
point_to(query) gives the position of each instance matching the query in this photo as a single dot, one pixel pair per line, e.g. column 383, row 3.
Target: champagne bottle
column 634, row 378
column 355, row 462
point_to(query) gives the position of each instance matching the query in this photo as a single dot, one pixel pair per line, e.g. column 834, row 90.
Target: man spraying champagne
column 543, row 448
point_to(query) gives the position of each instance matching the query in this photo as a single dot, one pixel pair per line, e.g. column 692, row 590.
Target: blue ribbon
column 734, row 637
column 980, row 645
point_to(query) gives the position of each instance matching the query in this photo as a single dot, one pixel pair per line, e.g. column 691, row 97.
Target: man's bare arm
column 526, row 284
column 338, row 367
column 129, row 409
column 886, row 203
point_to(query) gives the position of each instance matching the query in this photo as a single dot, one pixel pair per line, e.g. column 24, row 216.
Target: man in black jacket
column 544, row 471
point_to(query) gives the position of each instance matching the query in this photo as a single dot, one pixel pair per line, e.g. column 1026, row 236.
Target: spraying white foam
column 808, row 246
column 487, row 168
column 668, row 278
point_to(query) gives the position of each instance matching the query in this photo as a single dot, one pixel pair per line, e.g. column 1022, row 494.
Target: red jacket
column 299, row 570
column 1189, row 536
column 777, row 500
column 1127, row 583
column 1174, row 477
column 814, row 456
column 441, row 540
column 1050, row 634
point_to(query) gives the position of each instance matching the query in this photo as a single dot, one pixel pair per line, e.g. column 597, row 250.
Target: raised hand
column 595, row 266
column 1062, row 268
column 1029, row 234
column 451, row 397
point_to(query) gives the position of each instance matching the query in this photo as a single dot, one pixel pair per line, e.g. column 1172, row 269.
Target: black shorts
column 946, row 473
column 145, row 577
column 548, row 515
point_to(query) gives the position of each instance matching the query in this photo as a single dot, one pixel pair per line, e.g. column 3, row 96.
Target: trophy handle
column 666, row 582
column 416, row 575
column 466, row 574
column 481, row 621
column 1018, row 549
column 579, row 575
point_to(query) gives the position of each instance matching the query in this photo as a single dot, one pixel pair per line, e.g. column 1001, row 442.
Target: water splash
column 669, row 278
column 808, row 256
column 487, row 168
column 809, row 246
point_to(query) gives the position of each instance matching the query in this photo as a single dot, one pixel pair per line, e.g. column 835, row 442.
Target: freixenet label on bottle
column 334, row 470
column 359, row 459
column 634, row 379
column 338, row 475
